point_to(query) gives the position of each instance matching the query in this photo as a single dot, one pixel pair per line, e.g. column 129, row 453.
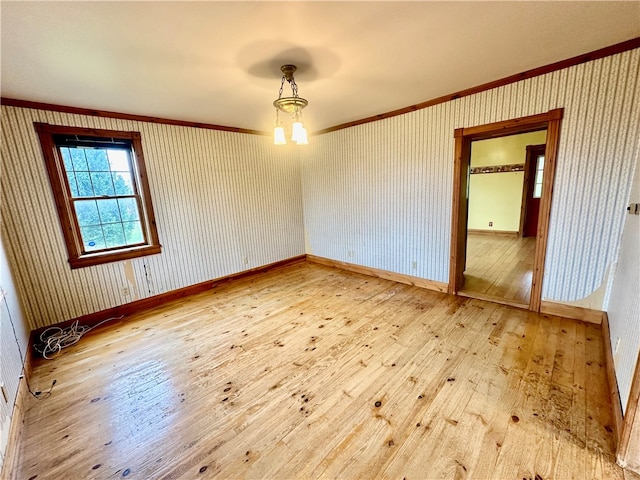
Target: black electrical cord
column 37, row 394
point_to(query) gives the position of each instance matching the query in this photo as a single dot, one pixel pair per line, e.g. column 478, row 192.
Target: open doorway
column 505, row 186
column 464, row 137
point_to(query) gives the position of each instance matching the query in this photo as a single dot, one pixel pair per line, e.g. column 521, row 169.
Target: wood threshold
column 506, row 233
column 493, row 299
column 115, row 313
column 375, row 272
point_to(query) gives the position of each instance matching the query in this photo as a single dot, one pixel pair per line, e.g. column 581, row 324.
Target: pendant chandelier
column 293, row 106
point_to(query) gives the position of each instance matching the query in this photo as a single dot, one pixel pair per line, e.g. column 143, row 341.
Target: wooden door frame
column 627, row 455
column 462, row 157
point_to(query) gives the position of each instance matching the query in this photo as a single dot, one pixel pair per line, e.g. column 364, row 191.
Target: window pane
column 537, row 190
column 119, row 160
column 78, row 159
column 102, row 184
column 92, row 238
column 128, row 209
column 87, row 212
column 73, row 186
column 109, row 212
column 97, row 160
column 133, row 232
column 66, row 157
column 123, row 183
column 538, row 180
column 113, row 235
column 85, row 189
column 537, row 184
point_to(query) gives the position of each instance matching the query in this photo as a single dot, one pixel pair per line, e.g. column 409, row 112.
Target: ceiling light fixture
column 293, row 106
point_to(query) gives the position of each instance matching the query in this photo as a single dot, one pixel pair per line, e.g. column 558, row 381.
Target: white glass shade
column 302, row 137
column 278, row 136
column 296, row 131
column 299, row 134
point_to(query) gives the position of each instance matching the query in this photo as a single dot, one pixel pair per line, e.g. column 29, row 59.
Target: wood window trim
column 64, row 207
column 463, row 137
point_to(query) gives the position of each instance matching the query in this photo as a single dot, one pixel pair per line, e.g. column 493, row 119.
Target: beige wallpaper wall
column 379, row 194
column 224, row 202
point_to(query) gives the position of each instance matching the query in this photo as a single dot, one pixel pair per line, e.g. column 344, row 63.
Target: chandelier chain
column 294, row 88
column 281, row 87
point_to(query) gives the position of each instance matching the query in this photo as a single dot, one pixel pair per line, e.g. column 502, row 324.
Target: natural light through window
column 104, row 197
column 99, row 182
column 537, row 186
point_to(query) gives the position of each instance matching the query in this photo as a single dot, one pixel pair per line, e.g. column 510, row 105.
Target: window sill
column 91, row 259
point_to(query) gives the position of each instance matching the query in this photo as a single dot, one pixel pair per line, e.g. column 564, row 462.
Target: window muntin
column 101, row 191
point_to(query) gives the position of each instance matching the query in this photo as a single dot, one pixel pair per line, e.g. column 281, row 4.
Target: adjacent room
column 320, row 240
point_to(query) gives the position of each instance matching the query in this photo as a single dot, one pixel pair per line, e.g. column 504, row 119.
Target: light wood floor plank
column 312, row 372
column 499, row 266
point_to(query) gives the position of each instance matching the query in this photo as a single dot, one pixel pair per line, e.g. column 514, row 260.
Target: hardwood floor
column 312, row 372
column 499, row 267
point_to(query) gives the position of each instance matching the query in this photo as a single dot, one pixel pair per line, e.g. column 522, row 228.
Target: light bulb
column 278, row 136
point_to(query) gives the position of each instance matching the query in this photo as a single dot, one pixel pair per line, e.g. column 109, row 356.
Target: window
column 537, row 186
column 101, row 192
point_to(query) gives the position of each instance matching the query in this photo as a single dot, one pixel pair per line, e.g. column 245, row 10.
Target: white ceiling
column 218, row 62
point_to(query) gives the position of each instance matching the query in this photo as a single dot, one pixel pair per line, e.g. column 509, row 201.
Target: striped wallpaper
column 13, row 347
column 224, row 202
column 624, row 305
column 379, row 194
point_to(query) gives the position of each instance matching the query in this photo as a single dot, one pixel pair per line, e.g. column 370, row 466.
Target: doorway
column 463, row 141
column 503, row 198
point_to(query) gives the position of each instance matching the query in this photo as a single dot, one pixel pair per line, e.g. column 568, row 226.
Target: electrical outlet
column 125, row 291
column 245, row 260
column 491, row 224
column 414, row 265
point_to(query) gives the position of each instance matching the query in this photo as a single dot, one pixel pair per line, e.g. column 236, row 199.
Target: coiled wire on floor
column 54, row 339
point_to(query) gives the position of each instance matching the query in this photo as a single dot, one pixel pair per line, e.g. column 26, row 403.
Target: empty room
column 278, row 240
